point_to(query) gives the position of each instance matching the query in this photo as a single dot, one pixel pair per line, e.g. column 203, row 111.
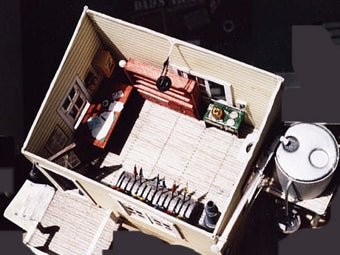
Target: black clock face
column 163, row 83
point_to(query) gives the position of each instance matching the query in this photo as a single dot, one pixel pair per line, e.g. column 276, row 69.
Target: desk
column 106, row 118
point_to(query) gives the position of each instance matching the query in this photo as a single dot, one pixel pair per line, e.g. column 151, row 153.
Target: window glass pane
column 73, row 112
column 66, row 103
column 79, row 102
column 72, row 93
column 191, row 77
column 200, row 80
column 217, row 91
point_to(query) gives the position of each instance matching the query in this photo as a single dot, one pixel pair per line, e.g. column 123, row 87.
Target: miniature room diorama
column 161, row 132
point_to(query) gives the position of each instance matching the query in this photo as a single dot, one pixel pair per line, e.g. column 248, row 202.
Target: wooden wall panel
column 77, row 63
column 104, row 196
column 131, row 42
column 250, row 84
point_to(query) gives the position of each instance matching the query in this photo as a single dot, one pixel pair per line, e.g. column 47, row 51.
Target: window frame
column 57, row 140
column 80, row 92
column 205, row 81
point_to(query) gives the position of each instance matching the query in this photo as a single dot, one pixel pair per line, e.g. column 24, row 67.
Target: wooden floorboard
column 182, row 150
column 79, row 223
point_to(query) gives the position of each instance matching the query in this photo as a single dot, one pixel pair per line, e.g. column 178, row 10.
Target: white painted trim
column 78, row 85
column 112, row 193
column 56, row 184
column 226, row 85
column 81, row 188
column 35, row 250
column 218, row 228
column 45, row 101
column 244, row 201
column 81, row 116
column 57, row 169
column 176, row 41
column 50, row 178
column 30, row 232
column 176, row 69
column 100, row 230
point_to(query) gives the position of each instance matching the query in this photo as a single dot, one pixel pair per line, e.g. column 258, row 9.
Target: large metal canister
column 306, row 160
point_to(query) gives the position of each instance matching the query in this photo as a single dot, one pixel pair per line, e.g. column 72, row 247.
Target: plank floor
column 83, row 226
column 182, row 150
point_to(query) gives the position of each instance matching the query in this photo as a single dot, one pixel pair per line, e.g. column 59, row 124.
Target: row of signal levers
column 155, row 193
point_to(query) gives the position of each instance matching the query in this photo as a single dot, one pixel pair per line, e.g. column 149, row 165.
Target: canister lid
column 233, row 115
column 315, row 157
column 230, row 122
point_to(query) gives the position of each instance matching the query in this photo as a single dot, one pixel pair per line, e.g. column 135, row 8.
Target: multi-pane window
column 73, row 103
column 217, row 91
column 209, row 87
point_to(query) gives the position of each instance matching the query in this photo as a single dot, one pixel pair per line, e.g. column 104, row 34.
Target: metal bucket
column 306, row 160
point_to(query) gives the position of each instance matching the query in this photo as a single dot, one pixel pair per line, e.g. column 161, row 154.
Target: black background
column 35, row 34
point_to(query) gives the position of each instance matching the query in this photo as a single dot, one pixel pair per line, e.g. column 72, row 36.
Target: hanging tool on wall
column 164, row 83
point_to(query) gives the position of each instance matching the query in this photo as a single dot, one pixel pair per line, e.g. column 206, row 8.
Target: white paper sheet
column 116, row 106
column 101, row 131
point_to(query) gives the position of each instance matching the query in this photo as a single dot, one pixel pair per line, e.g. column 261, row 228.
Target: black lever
column 163, row 83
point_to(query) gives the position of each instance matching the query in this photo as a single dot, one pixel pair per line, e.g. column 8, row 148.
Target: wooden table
column 96, row 109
